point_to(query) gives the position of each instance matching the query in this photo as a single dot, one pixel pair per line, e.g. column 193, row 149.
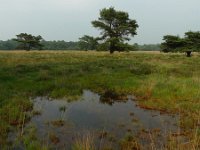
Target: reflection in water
column 111, row 97
column 103, row 119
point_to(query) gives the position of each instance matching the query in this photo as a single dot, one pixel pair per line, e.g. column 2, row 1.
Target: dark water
column 106, row 123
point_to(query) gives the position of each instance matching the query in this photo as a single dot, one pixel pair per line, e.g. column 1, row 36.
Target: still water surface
column 106, row 123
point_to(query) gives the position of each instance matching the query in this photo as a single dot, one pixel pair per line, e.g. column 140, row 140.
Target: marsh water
column 105, row 123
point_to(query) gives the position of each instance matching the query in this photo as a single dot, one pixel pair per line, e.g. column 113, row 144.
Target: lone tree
column 116, row 27
column 28, row 41
column 188, row 44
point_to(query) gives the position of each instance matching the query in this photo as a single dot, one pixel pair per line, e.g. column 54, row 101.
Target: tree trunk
column 188, row 53
column 112, row 48
column 111, row 51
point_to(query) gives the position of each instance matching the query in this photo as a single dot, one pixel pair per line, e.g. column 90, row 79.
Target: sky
column 70, row 19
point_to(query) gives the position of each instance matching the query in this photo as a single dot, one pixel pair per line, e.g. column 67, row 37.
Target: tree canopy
column 172, row 43
column 192, row 40
column 116, row 27
column 28, row 41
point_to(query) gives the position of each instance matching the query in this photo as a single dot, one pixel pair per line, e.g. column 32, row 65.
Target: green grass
column 167, row 82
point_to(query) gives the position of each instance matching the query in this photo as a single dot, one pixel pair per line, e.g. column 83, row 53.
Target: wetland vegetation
column 168, row 83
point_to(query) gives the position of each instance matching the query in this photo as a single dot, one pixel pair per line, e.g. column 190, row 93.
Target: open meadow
column 166, row 83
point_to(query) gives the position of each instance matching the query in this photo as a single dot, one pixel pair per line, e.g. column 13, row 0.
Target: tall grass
column 85, row 142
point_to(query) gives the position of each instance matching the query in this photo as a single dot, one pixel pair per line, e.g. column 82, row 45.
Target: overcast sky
column 70, row 19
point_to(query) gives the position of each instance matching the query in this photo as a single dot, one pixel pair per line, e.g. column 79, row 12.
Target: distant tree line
column 46, row 45
column 148, row 47
column 60, row 45
column 8, row 45
column 79, row 45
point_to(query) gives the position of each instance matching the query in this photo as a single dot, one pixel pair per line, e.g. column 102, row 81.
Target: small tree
column 28, row 41
column 88, row 43
column 116, row 27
